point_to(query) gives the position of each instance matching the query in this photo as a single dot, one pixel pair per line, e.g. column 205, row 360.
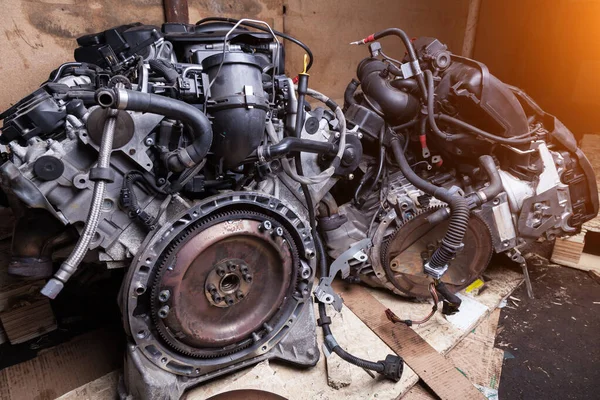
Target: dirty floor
column 551, row 342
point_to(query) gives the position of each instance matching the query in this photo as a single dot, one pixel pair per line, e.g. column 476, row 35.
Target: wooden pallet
column 467, row 342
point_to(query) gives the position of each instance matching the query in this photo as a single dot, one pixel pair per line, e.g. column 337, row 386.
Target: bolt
column 360, row 135
column 229, row 300
column 278, row 231
column 221, row 271
column 247, row 277
column 232, row 266
column 161, row 181
column 211, row 288
column 244, row 269
column 350, row 177
column 240, row 295
column 164, row 295
column 149, row 142
column 265, row 226
column 337, row 135
column 216, row 297
column 163, row 311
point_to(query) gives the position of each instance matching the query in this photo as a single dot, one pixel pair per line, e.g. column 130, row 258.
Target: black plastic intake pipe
column 412, row 54
column 197, row 121
column 397, row 106
column 459, row 209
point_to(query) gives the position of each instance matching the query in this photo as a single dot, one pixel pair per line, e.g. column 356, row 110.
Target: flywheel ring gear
column 138, row 294
column 414, row 241
column 170, row 257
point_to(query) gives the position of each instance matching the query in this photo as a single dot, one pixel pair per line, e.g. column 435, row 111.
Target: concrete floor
column 551, row 342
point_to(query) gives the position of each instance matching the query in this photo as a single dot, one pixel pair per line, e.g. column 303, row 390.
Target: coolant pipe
column 182, row 158
column 293, row 144
column 459, row 218
column 54, row 286
column 431, row 116
column 495, row 187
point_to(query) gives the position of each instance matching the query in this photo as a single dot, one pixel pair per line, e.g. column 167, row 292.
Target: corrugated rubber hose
column 459, row 208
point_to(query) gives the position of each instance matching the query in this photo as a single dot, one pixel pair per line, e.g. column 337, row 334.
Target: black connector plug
column 393, row 365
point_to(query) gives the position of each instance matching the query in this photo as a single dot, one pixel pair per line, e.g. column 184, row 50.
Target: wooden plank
column 63, row 368
column 431, row 366
column 28, row 320
column 568, row 250
column 587, row 262
column 103, row 388
column 590, row 145
column 476, row 357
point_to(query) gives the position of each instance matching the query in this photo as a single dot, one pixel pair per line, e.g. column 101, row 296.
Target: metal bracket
column 410, row 69
column 323, row 292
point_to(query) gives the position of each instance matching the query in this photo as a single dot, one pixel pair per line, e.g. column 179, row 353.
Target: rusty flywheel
column 222, row 284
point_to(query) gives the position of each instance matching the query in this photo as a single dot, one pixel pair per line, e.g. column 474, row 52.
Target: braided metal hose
column 70, row 265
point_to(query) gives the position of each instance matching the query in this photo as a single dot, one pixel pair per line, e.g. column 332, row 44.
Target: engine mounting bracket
column 324, row 293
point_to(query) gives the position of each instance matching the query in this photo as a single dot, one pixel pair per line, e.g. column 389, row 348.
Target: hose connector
column 435, row 273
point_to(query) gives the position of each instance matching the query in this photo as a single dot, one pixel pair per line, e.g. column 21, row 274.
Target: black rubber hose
column 349, row 93
column 431, row 113
column 405, row 125
column 164, row 69
column 495, row 187
column 264, row 29
column 198, row 122
column 380, row 160
column 459, row 208
column 293, row 144
column 412, row 54
column 408, row 84
column 475, row 130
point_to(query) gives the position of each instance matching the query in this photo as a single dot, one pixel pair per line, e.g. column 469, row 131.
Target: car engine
column 187, row 157
column 458, row 165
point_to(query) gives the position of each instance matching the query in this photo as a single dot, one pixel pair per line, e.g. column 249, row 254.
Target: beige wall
column 39, row 35
column 551, row 52
column 329, row 26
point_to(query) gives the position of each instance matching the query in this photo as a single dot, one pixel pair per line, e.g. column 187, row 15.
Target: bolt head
column 163, row 312
column 149, row 141
column 350, row 176
column 247, row 277
column 240, row 295
column 221, row 271
column 164, row 295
